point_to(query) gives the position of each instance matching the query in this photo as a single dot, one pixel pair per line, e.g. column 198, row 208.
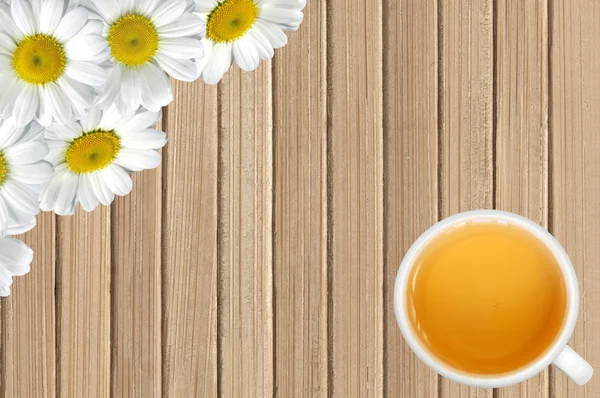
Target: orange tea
column 486, row 297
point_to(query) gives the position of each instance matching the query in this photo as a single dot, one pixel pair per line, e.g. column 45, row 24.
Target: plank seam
column 3, row 315
column 494, row 104
column 274, row 129
column 329, row 73
column 163, row 260
column 57, row 304
column 220, row 292
column 495, row 391
column 385, row 33
column 113, row 305
column 550, row 157
column 440, row 139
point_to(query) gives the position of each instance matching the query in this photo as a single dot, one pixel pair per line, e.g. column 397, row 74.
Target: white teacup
column 558, row 354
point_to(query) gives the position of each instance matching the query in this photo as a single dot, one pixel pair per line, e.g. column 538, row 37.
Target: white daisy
column 148, row 38
column 93, row 158
column 23, row 174
column 51, row 58
column 244, row 30
column 15, row 260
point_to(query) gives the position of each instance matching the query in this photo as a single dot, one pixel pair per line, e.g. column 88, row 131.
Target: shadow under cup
column 486, row 297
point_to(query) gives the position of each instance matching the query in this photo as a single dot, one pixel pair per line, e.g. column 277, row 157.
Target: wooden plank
column 356, row 206
column 245, row 234
column 136, row 288
column 190, row 243
column 575, row 201
column 410, row 169
column 522, row 127
column 83, row 296
column 29, row 317
column 467, row 123
column 300, row 267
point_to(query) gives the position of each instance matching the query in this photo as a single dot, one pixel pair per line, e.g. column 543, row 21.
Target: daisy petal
column 80, row 94
column 183, row 47
column 65, row 131
column 26, row 152
column 140, row 121
column 7, row 102
column 281, row 16
column 19, row 198
column 273, row 33
column 156, row 88
column 113, row 87
column 23, row 16
column 87, row 73
column 108, row 9
column 147, row 6
column 71, row 23
column 180, row 69
column 61, row 105
column 57, row 150
column 206, row 6
column 88, row 47
column 87, row 198
column 263, row 46
column 67, row 200
column 92, row 119
column 219, row 62
column 104, row 195
column 13, row 251
column 50, row 193
column 21, row 229
column 32, row 173
column 245, row 53
column 137, row 160
column 130, row 98
column 117, row 180
column 144, row 139
column 51, row 14
column 186, row 25
column 8, row 24
column 168, row 12
column 26, row 105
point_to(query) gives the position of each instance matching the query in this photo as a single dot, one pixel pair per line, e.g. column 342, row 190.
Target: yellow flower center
column 3, row 169
column 133, row 40
column 39, row 59
column 230, row 20
column 92, row 151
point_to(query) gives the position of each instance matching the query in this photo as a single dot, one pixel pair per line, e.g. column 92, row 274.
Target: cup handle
column 574, row 366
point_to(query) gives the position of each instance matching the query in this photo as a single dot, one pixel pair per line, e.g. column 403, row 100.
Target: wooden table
column 260, row 260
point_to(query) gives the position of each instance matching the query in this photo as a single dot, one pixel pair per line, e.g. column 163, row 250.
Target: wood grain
column 83, row 297
column 356, row 178
column 260, row 259
column 189, row 233
column 29, row 319
column 467, row 166
column 410, row 168
column 136, row 289
column 575, row 71
column 522, row 127
column 300, row 246
column 246, row 338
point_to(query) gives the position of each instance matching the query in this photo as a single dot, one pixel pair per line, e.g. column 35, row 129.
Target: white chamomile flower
column 244, row 30
column 15, row 260
column 51, row 58
column 23, row 174
column 93, row 158
column 148, row 38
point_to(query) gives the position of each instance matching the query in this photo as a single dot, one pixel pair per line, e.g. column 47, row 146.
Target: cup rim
column 485, row 381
